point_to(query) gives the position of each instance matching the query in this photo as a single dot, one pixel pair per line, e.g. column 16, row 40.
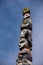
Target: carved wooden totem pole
column 25, row 43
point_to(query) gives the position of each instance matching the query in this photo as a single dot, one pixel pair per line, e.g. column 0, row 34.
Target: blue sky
column 10, row 21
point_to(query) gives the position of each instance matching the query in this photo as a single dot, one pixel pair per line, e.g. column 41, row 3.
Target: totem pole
column 25, row 42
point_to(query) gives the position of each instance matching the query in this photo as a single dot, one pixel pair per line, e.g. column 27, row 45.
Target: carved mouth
column 21, row 43
column 22, row 40
column 27, row 17
column 25, row 25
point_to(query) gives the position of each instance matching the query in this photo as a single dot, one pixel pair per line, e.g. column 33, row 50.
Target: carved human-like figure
column 27, row 22
column 26, row 33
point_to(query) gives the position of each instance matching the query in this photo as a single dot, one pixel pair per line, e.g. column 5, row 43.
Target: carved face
column 26, row 33
column 26, row 15
column 23, row 43
column 24, row 62
column 27, row 23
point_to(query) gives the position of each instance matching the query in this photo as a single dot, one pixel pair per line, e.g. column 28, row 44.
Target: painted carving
column 25, row 42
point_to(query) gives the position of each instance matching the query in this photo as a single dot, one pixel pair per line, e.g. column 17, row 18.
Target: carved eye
column 26, row 15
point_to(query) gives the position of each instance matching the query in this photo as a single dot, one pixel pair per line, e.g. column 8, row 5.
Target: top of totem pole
column 26, row 10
